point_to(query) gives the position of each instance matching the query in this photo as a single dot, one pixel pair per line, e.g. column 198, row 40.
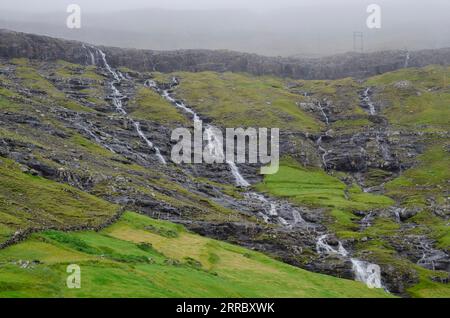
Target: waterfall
column 322, row 247
column 91, row 55
column 273, row 209
column 323, row 113
column 270, row 211
column 240, row 181
column 366, row 221
column 297, row 218
column 117, row 97
column 148, row 142
column 165, row 94
column 214, row 144
column 366, row 98
column 407, row 57
column 430, row 256
column 397, row 212
column 365, row 272
column 324, row 152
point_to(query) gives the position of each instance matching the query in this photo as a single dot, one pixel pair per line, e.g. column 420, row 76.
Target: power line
column 358, row 42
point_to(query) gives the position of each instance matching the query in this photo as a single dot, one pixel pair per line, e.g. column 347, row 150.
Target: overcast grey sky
column 107, row 5
column 270, row 27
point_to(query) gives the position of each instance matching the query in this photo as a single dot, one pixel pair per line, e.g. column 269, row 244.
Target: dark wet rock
column 333, row 265
column 397, row 280
column 43, row 169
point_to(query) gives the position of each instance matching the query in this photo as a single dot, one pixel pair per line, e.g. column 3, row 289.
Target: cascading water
column 431, row 258
column 367, row 220
column 323, row 113
column 240, row 181
column 365, row 272
column 213, row 143
column 117, row 98
column 297, row 218
column 323, row 151
column 368, row 101
column 91, row 55
column 407, row 57
column 397, row 212
column 382, row 144
column 322, row 247
column 148, row 142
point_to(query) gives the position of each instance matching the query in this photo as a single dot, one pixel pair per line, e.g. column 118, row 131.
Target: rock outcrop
column 16, row 44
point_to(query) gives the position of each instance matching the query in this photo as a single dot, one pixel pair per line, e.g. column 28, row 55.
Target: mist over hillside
column 291, row 28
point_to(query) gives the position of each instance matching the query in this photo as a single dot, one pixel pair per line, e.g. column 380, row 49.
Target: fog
column 269, row 27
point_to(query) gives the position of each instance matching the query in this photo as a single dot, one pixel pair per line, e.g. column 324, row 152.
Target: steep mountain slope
column 364, row 176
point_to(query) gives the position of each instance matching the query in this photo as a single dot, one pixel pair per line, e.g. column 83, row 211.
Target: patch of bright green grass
column 352, row 124
column 315, row 187
column 90, row 146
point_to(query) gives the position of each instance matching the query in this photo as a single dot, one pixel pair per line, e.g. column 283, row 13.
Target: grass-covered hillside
column 29, row 201
column 141, row 257
column 374, row 180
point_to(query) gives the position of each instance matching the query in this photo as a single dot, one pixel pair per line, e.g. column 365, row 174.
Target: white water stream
column 213, row 142
column 117, row 97
column 363, row 271
column 407, row 57
column 323, row 113
column 366, row 98
column 323, row 151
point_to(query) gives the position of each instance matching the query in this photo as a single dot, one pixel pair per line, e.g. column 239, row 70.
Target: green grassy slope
column 417, row 98
column 28, row 201
column 240, row 100
column 141, row 257
column 148, row 105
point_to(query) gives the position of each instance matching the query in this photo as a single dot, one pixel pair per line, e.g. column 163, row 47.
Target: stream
column 213, row 142
column 363, row 271
column 117, row 97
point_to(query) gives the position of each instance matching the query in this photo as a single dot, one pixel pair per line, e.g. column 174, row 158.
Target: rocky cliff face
column 15, row 44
